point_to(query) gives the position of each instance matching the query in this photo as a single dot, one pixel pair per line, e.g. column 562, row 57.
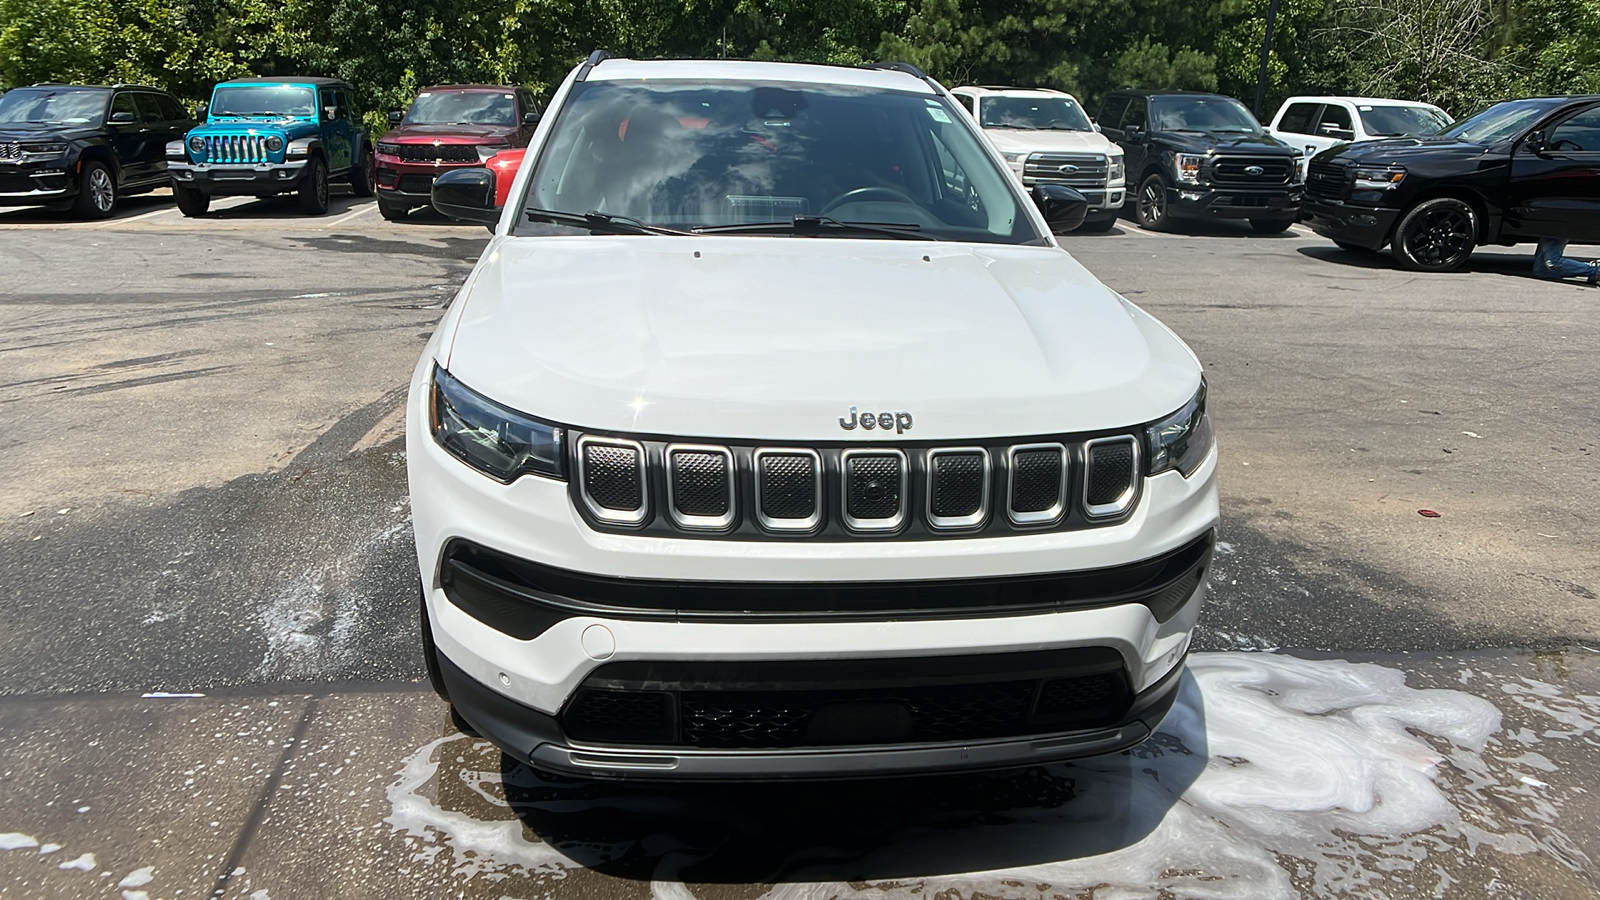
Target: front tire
column 314, row 189
column 1435, row 235
column 1097, row 226
column 392, row 212
column 363, row 181
column 97, row 192
column 1150, row 207
column 1270, row 226
column 191, row 202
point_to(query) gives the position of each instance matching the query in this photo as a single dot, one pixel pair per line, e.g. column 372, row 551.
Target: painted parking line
column 1301, row 229
column 353, row 214
column 165, row 210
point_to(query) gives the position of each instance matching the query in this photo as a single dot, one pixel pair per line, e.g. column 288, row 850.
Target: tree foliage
column 1459, row 53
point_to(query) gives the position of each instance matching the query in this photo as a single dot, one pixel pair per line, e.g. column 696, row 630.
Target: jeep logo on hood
column 899, row 420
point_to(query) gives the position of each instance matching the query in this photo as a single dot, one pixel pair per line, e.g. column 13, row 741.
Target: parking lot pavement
column 204, row 493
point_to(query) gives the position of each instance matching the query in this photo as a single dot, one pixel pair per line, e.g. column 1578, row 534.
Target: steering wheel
column 862, row 193
column 1565, row 144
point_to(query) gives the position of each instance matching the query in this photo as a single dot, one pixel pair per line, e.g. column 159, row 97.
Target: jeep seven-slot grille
column 1242, row 170
column 844, row 492
column 236, row 148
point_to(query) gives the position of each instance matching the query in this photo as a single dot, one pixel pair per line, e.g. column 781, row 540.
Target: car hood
column 776, row 338
column 39, row 131
column 449, row 134
column 1013, row 140
column 1224, row 142
column 1402, row 150
column 288, row 126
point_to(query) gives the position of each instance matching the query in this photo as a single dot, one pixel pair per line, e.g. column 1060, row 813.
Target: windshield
column 1396, row 121
column 54, row 107
column 703, row 154
column 1222, row 114
column 1500, row 122
column 1059, row 113
column 462, row 108
column 263, row 100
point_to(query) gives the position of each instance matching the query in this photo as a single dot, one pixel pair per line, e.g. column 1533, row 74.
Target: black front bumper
column 1361, row 226
column 31, row 185
column 539, row 740
column 252, row 180
column 1212, row 202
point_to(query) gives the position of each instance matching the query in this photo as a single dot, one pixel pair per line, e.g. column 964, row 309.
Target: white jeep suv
column 1047, row 138
column 773, row 436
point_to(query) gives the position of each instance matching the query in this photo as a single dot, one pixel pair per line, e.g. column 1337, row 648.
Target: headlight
column 47, row 148
column 487, row 152
column 499, row 442
column 1181, row 440
column 197, row 144
column 389, row 148
column 274, row 143
column 1188, row 166
column 1386, row 179
column 1014, row 156
column 1115, row 170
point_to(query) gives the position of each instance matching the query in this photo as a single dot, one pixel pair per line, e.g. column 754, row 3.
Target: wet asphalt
column 202, row 492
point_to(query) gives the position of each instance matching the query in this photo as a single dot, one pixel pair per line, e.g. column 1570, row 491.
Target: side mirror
column 330, row 113
column 466, row 195
column 1535, row 141
column 395, row 116
column 1096, row 126
column 530, row 118
column 1133, row 133
column 123, row 118
column 1063, row 208
column 201, row 111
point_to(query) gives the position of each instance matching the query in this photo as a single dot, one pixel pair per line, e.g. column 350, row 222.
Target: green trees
column 1459, row 53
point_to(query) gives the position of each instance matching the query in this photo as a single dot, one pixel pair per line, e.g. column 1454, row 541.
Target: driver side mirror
column 1133, row 133
column 201, row 111
column 1062, row 207
column 530, row 118
column 466, row 195
column 395, row 116
column 1536, row 141
column 330, row 113
column 123, row 118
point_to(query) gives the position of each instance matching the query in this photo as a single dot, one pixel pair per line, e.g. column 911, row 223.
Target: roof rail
column 909, row 69
column 595, row 59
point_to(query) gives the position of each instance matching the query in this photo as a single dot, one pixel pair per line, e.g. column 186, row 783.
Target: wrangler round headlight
column 197, row 144
column 497, row 441
column 274, row 143
column 1181, row 440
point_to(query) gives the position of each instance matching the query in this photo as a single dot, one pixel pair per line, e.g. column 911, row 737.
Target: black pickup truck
column 1516, row 172
column 1201, row 156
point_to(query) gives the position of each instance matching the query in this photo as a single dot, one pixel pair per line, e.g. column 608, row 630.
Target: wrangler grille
column 236, row 148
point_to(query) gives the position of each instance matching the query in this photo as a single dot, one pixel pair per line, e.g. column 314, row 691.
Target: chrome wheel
column 101, row 191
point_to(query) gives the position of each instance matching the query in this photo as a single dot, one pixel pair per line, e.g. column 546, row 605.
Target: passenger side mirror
column 466, row 195
column 1062, row 207
column 123, row 118
column 1535, row 141
column 530, row 118
column 330, row 113
column 395, row 116
column 1096, row 126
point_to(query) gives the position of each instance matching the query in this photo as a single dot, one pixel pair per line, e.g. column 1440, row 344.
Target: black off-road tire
column 1097, row 226
column 314, row 188
column 391, row 211
column 191, row 202
column 1270, row 226
column 1150, row 205
column 97, row 192
column 1435, row 235
column 363, row 178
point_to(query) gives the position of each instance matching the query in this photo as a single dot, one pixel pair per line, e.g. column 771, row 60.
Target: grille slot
column 1275, row 170
column 611, row 472
column 634, row 717
column 1111, row 467
column 874, row 489
column 700, row 486
column 958, row 487
column 788, row 489
column 1038, row 485
column 430, row 152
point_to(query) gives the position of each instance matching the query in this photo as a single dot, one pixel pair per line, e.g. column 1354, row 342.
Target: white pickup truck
column 1318, row 123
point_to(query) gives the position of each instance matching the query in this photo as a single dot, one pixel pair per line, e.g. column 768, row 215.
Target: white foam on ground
column 1324, row 776
column 138, row 878
column 84, row 863
column 16, row 840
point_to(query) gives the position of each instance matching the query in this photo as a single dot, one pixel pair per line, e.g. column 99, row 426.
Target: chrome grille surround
column 969, row 520
column 629, row 516
column 1119, row 504
column 676, row 471
column 789, row 524
column 1091, row 168
column 1231, row 169
column 1050, row 514
column 848, row 460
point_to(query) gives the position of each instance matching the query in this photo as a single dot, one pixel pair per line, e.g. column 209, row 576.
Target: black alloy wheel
column 363, row 181
column 1150, row 209
column 1435, row 235
column 97, row 192
column 314, row 189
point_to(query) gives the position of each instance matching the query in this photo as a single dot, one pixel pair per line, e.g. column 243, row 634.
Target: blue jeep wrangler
column 268, row 136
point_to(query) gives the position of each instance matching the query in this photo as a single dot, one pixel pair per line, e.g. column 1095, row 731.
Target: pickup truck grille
column 236, row 148
column 1325, row 181
column 1085, row 169
column 1238, row 170
column 855, row 491
column 430, row 152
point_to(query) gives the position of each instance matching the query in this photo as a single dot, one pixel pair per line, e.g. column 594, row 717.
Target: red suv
column 449, row 126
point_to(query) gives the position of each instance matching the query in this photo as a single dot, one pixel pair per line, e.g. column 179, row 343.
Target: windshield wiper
column 598, row 222
column 815, row 225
